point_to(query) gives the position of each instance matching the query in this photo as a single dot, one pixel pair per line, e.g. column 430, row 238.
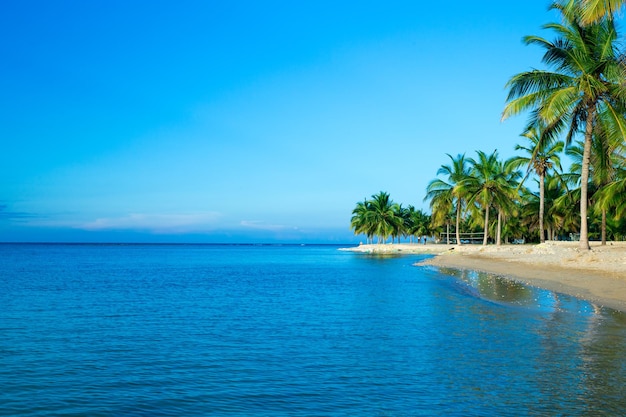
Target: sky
column 244, row 121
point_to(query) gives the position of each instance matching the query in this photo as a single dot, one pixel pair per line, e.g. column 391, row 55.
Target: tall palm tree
column 604, row 168
column 540, row 156
column 606, row 162
column 490, row 184
column 586, row 81
column 451, row 190
column 506, row 196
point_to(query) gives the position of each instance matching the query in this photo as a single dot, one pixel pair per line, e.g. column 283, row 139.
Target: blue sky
column 205, row 121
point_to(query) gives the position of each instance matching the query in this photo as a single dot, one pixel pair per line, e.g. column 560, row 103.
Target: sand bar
column 597, row 275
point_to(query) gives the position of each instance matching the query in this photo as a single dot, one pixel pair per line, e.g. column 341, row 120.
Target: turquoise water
column 194, row 330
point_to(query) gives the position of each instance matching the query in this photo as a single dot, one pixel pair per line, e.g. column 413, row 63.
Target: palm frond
column 595, row 10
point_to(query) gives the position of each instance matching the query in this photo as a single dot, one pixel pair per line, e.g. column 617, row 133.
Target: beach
column 597, row 275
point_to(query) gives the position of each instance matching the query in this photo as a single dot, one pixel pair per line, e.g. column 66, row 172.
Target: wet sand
column 597, row 275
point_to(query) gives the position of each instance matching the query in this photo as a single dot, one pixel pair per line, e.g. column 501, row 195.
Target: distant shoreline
column 598, row 275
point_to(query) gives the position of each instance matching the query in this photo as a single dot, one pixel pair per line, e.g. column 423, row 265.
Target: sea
column 292, row 330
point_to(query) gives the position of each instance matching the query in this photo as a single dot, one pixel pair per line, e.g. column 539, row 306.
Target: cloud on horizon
column 156, row 223
column 263, row 225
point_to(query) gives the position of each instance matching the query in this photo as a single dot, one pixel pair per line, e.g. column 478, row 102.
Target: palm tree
column 382, row 217
column 557, row 217
column 506, row 195
column 379, row 217
column 450, row 192
column 570, row 194
column 605, row 163
column 540, row 156
column 491, row 183
column 359, row 222
column 587, row 81
column 613, row 195
column 403, row 224
column 604, row 169
column 595, row 10
column 442, row 211
column 420, row 223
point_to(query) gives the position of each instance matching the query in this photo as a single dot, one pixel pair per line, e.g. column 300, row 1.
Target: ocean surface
column 270, row 330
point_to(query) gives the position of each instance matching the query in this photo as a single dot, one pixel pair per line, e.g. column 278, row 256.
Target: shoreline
column 598, row 275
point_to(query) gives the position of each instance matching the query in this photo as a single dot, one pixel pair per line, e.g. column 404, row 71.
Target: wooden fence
column 466, row 238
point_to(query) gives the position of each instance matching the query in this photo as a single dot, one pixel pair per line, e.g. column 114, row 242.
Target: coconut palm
column 443, row 212
column 540, row 156
column 420, row 223
column 606, row 167
column 382, row 216
column 606, row 164
column 507, row 195
column 602, row 171
column 568, row 198
column 359, row 222
column 479, row 185
column 416, row 222
column 490, row 184
column 402, row 225
column 612, row 195
column 379, row 217
column 557, row 217
column 595, row 10
column 445, row 194
column 586, row 81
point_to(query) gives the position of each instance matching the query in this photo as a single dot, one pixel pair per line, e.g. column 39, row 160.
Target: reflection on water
column 603, row 353
column 506, row 291
column 572, row 334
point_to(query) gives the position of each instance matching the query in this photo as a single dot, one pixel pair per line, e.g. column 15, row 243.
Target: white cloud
column 262, row 225
column 157, row 223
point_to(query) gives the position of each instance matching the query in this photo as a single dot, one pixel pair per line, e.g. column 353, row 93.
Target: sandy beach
column 598, row 275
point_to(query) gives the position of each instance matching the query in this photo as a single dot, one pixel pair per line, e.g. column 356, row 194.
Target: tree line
column 577, row 107
column 381, row 218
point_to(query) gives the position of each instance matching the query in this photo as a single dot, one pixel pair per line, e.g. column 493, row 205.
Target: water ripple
column 251, row 330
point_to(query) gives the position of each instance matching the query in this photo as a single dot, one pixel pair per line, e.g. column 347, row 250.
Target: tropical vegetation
column 576, row 110
column 379, row 217
column 582, row 95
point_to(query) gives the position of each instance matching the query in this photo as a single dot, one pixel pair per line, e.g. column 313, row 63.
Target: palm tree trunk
column 458, row 221
column 542, row 233
column 447, row 232
column 499, row 232
column 584, row 179
column 486, row 232
column 603, row 227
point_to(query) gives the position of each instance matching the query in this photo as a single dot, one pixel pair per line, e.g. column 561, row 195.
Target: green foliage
column 576, row 106
column 584, row 93
column 380, row 217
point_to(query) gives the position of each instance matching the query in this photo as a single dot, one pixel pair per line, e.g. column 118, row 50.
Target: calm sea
column 196, row 330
